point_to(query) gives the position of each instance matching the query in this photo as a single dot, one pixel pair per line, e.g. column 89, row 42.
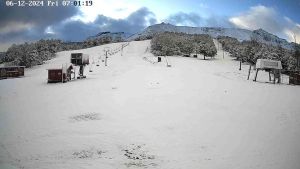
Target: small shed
column 294, row 78
column 11, row 71
column 62, row 74
column 56, row 75
column 79, row 59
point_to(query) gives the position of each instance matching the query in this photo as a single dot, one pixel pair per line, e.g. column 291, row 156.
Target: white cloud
column 113, row 8
column 49, row 30
column 292, row 30
column 258, row 17
column 15, row 27
column 268, row 19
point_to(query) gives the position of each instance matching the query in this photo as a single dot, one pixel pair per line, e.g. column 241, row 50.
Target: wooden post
column 122, row 50
column 274, row 76
column 62, row 74
column 249, row 72
column 105, row 58
column 279, row 78
column 240, row 64
column 270, row 75
column 256, row 75
column 223, row 53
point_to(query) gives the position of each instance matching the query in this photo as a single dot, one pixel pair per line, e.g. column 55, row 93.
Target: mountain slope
column 240, row 34
column 136, row 114
column 115, row 36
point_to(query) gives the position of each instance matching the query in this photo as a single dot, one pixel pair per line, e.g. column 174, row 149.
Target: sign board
column 268, row 64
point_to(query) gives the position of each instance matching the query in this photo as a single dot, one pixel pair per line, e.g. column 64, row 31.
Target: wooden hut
column 11, row 71
column 62, row 74
column 294, row 78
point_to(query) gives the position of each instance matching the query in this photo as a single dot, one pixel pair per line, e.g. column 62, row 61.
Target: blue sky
column 18, row 25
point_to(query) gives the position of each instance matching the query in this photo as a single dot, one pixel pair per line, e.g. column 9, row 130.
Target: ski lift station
column 80, row 59
column 64, row 73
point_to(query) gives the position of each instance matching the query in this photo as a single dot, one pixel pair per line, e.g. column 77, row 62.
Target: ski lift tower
column 106, row 51
column 81, row 60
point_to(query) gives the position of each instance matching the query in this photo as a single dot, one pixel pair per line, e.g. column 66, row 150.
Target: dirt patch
column 91, row 153
column 139, row 164
column 138, row 156
column 86, row 117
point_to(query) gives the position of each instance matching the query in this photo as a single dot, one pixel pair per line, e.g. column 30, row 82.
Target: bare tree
column 297, row 50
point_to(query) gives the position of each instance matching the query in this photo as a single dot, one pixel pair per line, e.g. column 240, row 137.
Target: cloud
column 185, row 19
column 21, row 24
column 194, row 19
column 115, row 9
column 292, row 30
column 33, row 26
column 258, row 17
column 15, row 27
column 268, row 19
column 79, row 30
column 32, row 17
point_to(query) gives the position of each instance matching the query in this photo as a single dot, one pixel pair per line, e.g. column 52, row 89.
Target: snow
column 137, row 114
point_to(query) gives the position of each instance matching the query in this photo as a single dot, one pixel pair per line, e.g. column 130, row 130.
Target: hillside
column 114, row 36
column 240, row 34
column 137, row 113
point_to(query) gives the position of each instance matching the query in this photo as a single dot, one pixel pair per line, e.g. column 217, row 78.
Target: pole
column 223, row 53
column 240, row 64
column 256, row 75
column 122, row 50
column 62, row 73
column 105, row 58
column 249, row 72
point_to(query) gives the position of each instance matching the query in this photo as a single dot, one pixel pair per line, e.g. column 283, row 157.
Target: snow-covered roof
column 269, row 64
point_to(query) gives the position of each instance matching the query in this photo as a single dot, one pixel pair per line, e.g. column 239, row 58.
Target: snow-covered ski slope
column 134, row 113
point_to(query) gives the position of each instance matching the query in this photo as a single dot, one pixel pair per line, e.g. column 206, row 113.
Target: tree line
column 36, row 53
column 250, row 51
column 170, row 43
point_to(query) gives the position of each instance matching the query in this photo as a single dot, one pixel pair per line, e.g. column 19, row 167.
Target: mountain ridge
column 259, row 35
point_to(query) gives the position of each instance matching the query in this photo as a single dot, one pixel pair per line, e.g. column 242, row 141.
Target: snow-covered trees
column 204, row 45
column 30, row 54
column 164, row 45
column 169, row 43
column 250, row 51
column 91, row 42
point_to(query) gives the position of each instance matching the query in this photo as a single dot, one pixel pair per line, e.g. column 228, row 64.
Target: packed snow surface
column 137, row 113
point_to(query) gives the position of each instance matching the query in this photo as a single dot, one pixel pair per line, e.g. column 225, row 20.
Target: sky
column 73, row 23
